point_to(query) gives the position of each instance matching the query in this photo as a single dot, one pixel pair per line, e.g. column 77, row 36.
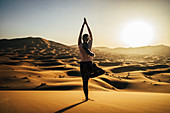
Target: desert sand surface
column 37, row 75
column 71, row 102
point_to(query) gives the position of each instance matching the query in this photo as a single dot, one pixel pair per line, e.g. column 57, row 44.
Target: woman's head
column 85, row 38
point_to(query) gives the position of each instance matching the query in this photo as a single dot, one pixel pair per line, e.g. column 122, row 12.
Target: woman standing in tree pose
column 86, row 57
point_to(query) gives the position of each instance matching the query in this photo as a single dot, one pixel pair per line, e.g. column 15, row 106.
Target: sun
column 137, row 34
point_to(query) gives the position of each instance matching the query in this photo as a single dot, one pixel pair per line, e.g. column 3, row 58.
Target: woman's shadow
column 69, row 107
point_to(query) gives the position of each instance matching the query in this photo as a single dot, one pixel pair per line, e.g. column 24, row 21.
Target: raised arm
column 88, row 28
column 80, row 35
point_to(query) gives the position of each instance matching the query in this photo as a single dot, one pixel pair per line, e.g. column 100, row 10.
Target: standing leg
column 85, row 86
column 85, row 77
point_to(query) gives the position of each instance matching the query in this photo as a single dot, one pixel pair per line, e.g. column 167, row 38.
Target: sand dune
column 130, row 84
column 38, row 61
column 71, row 102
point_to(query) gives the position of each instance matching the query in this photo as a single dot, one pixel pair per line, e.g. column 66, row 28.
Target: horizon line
column 7, row 38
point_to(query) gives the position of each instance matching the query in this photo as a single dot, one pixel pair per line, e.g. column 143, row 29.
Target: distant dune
column 145, row 50
column 28, row 42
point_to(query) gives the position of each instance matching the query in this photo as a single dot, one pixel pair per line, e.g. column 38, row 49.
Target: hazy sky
column 61, row 20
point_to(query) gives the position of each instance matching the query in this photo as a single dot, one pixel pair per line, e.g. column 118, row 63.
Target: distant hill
column 28, row 42
column 35, row 47
column 145, row 50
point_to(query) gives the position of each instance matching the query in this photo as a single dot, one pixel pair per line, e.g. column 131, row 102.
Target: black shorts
column 86, row 69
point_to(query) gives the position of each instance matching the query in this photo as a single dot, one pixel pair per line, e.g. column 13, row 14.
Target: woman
column 86, row 57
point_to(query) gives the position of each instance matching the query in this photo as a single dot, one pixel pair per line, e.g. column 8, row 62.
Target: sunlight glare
column 137, row 34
